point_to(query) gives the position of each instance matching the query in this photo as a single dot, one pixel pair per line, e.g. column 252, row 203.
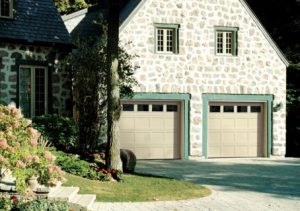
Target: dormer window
column 6, row 8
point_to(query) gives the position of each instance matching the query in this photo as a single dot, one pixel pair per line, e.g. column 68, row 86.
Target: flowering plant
column 20, row 151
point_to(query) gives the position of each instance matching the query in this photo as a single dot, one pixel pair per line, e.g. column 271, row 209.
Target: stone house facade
column 31, row 44
column 212, row 83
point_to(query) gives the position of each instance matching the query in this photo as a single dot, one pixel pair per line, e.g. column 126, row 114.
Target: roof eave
column 64, row 45
column 265, row 32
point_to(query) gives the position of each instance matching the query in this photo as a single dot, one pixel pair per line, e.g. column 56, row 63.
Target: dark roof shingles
column 35, row 21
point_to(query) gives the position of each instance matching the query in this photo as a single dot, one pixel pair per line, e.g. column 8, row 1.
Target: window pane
column 242, row 109
column 157, row 108
column 219, row 42
column 4, row 8
column 160, row 40
column 143, row 107
column 172, row 108
column 215, row 109
column 228, row 109
column 128, row 107
column 169, row 40
column 40, row 95
column 228, row 42
column 255, row 109
column 25, row 91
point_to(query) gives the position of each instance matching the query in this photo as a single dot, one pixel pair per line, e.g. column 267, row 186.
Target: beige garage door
column 235, row 130
column 151, row 129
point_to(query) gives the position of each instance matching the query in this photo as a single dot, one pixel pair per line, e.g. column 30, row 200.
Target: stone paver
column 237, row 184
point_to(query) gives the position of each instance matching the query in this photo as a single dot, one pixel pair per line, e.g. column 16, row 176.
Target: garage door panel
column 241, row 138
column 227, row 151
column 128, row 139
column 240, row 133
column 214, row 151
column 127, row 123
column 241, row 123
column 153, row 132
column 215, row 138
column 228, row 123
column 140, row 138
column 157, row 123
column 228, row 139
column 214, row 124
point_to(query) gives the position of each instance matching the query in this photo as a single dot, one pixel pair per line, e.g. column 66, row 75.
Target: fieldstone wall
column 196, row 69
column 9, row 53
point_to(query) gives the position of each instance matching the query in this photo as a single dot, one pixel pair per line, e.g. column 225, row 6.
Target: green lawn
column 138, row 188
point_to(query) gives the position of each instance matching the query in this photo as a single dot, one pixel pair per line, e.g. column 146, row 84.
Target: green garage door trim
column 268, row 99
column 185, row 99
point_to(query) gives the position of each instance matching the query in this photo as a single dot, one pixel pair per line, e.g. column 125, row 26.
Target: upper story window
column 166, row 38
column 226, row 41
column 6, row 8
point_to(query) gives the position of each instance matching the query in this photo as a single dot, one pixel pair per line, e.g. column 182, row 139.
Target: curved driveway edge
column 238, row 184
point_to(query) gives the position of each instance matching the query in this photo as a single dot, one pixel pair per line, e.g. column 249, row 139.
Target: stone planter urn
column 33, row 182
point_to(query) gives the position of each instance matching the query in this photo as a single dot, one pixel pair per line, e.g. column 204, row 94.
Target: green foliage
column 69, row 6
column 60, row 131
column 293, row 114
column 88, row 65
column 20, row 152
column 44, row 204
column 74, row 165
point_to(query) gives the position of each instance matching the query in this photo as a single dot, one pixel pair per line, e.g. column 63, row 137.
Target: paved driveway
column 238, row 184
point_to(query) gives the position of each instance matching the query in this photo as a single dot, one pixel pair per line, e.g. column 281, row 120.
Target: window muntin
column 166, row 38
column 33, row 90
column 6, row 8
column 226, row 41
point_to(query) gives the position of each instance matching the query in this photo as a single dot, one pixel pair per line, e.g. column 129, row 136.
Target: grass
column 138, row 188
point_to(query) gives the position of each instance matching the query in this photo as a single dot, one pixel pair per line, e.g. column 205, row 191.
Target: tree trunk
column 112, row 153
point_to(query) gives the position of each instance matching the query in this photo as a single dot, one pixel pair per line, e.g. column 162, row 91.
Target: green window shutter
column 176, row 42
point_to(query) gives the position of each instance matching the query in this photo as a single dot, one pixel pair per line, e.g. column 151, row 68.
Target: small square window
column 128, row 107
column 166, row 38
column 6, row 8
column 255, row 109
column 242, row 109
column 157, row 108
column 228, row 109
column 226, row 41
column 172, row 108
column 215, row 109
column 143, row 107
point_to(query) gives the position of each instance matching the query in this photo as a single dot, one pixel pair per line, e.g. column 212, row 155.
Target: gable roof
column 35, row 22
column 133, row 6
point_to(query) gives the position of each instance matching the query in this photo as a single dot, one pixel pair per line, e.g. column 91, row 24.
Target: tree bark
column 112, row 153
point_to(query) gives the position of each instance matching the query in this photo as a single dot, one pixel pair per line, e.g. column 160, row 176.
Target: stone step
column 84, row 200
column 63, row 193
column 97, row 206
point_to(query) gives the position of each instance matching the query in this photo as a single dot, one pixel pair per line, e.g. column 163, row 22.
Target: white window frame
column 32, row 82
column 165, row 28
column 233, row 42
column 10, row 9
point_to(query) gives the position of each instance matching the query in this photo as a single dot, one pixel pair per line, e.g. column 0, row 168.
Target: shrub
column 25, row 204
column 74, row 165
column 20, row 152
column 60, row 131
column 44, row 204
